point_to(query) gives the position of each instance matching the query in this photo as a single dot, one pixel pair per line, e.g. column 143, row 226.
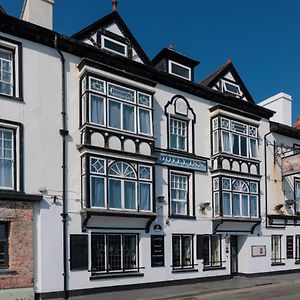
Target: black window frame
column 181, row 266
column 276, row 260
column 122, row 269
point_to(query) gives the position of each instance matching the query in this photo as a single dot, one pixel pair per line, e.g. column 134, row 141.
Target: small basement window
column 231, row 88
column 179, row 70
column 113, row 46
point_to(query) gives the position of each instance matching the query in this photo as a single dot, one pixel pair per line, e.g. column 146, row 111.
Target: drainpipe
column 266, row 179
column 64, row 133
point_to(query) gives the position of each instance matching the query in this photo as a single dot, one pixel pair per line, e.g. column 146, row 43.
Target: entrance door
column 234, row 255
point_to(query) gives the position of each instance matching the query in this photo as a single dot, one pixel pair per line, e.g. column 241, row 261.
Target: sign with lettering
column 258, row 251
column 181, row 162
column 291, row 165
column 157, row 251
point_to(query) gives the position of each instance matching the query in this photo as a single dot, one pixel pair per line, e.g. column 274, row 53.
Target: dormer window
column 113, row 46
column 179, row 70
column 229, row 87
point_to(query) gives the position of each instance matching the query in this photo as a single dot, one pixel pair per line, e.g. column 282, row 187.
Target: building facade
column 145, row 177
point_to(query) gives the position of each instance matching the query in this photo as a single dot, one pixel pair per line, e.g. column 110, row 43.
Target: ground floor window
column 3, row 245
column 276, row 249
column 209, row 249
column 182, row 251
column 212, row 251
column 114, row 252
column 290, row 246
column 297, row 254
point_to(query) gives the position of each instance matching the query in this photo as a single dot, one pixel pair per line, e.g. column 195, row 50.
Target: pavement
column 196, row 289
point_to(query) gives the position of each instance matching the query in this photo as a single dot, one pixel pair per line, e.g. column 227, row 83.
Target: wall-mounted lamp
column 160, row 198
column 202, row 206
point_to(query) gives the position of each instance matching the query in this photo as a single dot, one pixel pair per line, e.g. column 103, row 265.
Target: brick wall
column 20, row 217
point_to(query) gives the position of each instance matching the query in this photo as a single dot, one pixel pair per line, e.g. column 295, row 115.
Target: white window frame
column 95, row 91
column 177, row 135
column 139, row 124
column 16, row 184
column 182, row 66
column 188, row 188
column 121, row 115
column 224, row 88
column 15, row 48
column 103, row 38
column 11, row 63
column 104, row 109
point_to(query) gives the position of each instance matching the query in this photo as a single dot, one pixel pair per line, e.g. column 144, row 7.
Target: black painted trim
column 285, row 130
column 235, row 111
column 116, row 275
column 19, row 196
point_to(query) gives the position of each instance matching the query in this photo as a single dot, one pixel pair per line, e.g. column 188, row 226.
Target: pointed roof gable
column 110, row 19
column 227, row 72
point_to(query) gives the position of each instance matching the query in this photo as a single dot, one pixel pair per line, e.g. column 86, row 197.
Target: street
column 278, row 287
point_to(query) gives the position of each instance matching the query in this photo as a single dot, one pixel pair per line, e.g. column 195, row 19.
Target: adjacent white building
column 139, row 175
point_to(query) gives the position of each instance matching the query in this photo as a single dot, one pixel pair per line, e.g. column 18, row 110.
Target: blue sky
column 262, row 37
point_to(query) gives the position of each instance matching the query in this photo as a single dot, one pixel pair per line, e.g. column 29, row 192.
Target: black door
column 234, row 254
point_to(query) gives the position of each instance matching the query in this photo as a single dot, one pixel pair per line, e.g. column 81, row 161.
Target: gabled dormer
column 112, row 35
column 227, row 80
column 170, row 61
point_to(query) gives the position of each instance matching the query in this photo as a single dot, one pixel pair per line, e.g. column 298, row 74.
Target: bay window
column 235, row 197
column 114, row 252
column 120, row 185
column 236, row 138
column 182, row 251
column 115, row 106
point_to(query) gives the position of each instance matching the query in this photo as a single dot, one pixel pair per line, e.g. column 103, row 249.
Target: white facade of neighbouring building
column 137, row 174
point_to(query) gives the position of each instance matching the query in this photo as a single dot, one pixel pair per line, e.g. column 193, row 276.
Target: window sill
column 184, row 270
column 278, row 264
column 182, row 217
column 17, row 99
column 213, row 268
column 116, row 275
column 4, row 272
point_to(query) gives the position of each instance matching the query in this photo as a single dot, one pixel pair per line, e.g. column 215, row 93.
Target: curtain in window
column 225, row 141
column 253, row 148
column 114, row 193
column 144, row 196
column 236, row 210
column 245, row 210
column 97, row 110
column 6, row 171
column 97, row 186
column 129, row 195
column 114, row 252
column 129, row 252
column 186, row 251
column 253, row 206
column 114, row 114
column 144, row 121
column 215, row 250
column 176, row 251
column 226, row 204
column 128, row 117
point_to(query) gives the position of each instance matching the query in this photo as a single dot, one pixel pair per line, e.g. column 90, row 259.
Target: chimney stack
column 39, row 12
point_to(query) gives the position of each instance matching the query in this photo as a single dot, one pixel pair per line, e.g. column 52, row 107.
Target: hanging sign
column 291, row 165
